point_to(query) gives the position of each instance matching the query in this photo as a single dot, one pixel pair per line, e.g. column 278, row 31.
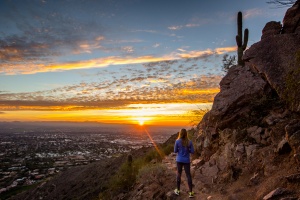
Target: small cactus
column 129, row 159
column 241, row 45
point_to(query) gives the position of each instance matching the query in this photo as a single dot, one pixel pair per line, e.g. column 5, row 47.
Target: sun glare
column 141, row 122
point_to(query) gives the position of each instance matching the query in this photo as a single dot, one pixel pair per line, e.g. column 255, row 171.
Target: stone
column 275, row 65
column 239, row 87
column 140, row 187
column 256, row 135
column 276, row 192
column 209, row 171
column 251, row 129
column 270, row 29
column 291, row 128
column 251, row 149
column 254, row 179
column 239, row 151
column 276, row 116
column 223, row 164
column 170, row 195
column 289, row 198
column 266, row 134
column 198, row 162
column 283, row 147
column 293, row 178
column 294, row 140
column 292, row 134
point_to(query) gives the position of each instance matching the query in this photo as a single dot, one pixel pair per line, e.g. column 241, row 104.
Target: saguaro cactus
column 129, row 160
column 241, row 45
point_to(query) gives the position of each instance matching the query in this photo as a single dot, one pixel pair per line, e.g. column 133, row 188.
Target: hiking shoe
column 177, row 192
column 191, row 194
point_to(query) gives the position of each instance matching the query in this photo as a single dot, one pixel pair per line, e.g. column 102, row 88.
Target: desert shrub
column 151, row 156
column 228, row 61
column 168, row 149
column 123, row 180
column 152, row 173
column 125, row 177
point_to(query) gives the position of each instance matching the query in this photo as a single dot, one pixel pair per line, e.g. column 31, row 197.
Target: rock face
column 270, row 29
column 291, row 20
column 252, row 131
column 276, row 58
column 269, row 80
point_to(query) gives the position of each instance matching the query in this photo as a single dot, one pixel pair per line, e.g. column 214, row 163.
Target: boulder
column 198, row 162
column 238, row 89
column 279, row 68
column 270, row 29
column 284, row 147
column 291, row 128
column 291, row 19
column 292, row 134
column 293, row 178
column 275, row 193
column 251, row 149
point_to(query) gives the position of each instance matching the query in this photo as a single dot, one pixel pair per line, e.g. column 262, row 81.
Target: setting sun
column 141, row 122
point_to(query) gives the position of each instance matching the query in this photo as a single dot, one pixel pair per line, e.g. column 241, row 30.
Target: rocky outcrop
column 270, row 29
column 269, row 80
column 251, row 136
column 291, row 20
column 276, row 59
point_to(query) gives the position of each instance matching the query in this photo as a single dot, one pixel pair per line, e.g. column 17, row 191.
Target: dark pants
column 187, row 170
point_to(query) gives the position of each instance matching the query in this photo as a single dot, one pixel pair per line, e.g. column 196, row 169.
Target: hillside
column 248, row 144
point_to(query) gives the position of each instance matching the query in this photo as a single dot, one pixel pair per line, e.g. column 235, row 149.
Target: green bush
column 152, row 173
column 168, row 149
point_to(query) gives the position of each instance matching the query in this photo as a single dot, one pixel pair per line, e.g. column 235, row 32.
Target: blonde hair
column 184, row 137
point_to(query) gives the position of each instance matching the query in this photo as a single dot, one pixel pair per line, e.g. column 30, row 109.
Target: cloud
column 128, row 49
column 222, row 50
column 194, row 22
column 252, row 13
column 174, row 28
column 32, row 68
column 155, row 87
column 156, row 45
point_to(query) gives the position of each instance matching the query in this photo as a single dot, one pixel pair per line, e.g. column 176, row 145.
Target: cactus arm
column 246, row 35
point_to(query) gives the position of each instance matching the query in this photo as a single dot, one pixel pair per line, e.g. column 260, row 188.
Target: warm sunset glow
column 141, row 122
column 139, row 114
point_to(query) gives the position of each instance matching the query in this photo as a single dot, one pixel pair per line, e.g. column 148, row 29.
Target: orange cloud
column 30, row 68
column 223, row 50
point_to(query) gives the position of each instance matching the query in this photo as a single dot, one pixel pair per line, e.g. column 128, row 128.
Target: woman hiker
column 183, row 147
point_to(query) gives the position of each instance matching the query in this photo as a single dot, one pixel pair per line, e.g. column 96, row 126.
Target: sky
column 152, row 62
